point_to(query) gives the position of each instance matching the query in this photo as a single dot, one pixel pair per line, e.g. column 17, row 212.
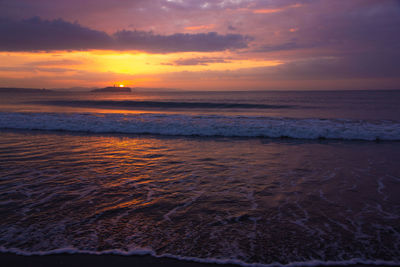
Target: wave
column 158, row 104
column 142, row 252
column 205, row 125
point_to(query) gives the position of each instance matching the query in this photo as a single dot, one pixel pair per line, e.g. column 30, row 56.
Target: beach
column 94, row 260
column 111, row 260
column 207, row 183
column 240, row 133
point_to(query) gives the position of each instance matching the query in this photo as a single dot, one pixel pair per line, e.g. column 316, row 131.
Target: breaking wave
column 141, row 252
column 205, row 125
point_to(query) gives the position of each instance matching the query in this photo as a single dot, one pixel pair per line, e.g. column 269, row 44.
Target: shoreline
column 84, row 259
column 103, row 260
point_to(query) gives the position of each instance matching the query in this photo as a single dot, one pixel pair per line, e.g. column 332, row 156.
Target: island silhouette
column 113, row 89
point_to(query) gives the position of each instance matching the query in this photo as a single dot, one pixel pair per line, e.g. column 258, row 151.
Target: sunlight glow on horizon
column 209, row 45
column 97, row 67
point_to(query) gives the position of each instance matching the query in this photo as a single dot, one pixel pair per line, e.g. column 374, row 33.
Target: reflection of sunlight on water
column 382, row 105
column 200, row 197
column 37, row 103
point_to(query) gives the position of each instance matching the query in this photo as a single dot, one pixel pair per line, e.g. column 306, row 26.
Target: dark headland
column 113, row 90
column 23, row 90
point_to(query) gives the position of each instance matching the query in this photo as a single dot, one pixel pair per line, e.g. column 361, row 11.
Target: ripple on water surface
column 244, row 200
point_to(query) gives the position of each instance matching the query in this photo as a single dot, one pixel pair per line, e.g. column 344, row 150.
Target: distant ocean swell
column 205, row 125
column 158, row 104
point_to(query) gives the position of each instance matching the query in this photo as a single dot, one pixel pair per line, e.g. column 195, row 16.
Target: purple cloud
column 284, row 47
column 179, row 42
column 204, row 61
column 315, row 39
column 36, row 34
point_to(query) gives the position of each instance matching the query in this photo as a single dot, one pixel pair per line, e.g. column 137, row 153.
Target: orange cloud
column 100, row 68
column 200, row 27
column 275, row 10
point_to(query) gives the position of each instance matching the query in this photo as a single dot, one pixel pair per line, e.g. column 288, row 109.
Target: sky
column 201, row 45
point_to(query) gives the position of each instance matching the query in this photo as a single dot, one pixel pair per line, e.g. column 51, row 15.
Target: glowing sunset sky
column 196, row 44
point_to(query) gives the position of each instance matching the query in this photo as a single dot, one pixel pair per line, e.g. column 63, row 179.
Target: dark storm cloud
column 36, row 34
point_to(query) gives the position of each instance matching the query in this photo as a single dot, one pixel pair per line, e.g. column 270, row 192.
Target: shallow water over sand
column 248, row 200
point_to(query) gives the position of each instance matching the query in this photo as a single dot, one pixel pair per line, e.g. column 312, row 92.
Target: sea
column 290, row 178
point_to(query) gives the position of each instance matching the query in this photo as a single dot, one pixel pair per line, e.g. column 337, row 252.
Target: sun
column 121, row 85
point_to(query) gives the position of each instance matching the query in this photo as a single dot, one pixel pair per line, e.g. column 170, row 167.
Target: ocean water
column 253, row 178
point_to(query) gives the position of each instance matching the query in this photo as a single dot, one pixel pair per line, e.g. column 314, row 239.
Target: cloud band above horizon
column 36, row 34
column 203, row 44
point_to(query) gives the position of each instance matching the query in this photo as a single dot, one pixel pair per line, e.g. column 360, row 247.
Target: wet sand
column 75, row 260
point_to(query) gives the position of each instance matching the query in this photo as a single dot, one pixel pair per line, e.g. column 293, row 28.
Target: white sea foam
column 142, row 252
column 205, row 125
